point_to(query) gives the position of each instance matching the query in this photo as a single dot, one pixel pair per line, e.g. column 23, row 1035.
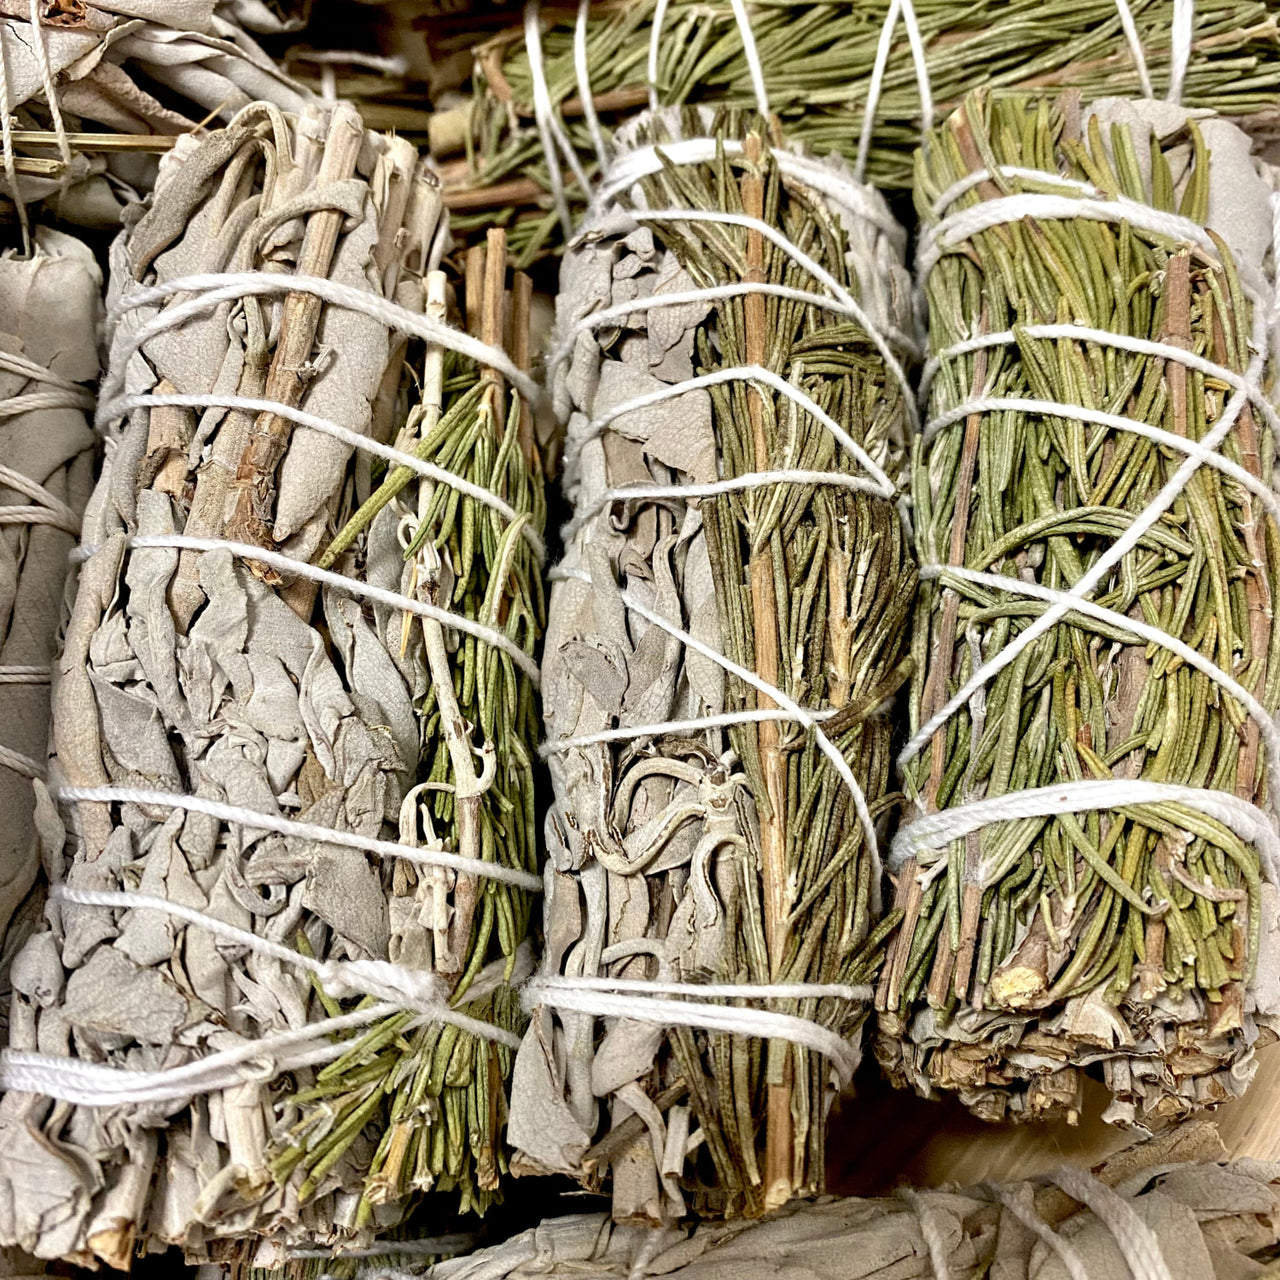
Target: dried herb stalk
column 200, row 673
column 715, row 855
column 1206, row 1219
column 1142, row 938
column 818, row 61
column 52, row 308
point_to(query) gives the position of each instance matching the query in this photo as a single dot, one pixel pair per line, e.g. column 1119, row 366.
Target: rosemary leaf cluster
column 1138, row 937
column 715, row 855
column 818, row 60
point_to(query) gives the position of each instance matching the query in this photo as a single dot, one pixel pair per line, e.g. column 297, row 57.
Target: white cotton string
column 429, row 470
column 550, row 130
column 750, row 53
column 1071, row 1260
column 930, row 1232
column 397, row 988
column 800, row 715
column 54, row 510
column 906, row 10
column 1267, row 729
column 1040, row 177
column 92, row 1084
column 764, row 1024
column 1118, row 422
column 927, row 837
column 214, row 288
column 954, row 229
column 714, row 488
column 1136, row 51
column 1138, row 1244
column 620, row 311
column 24, row 674
column 853, row 308
column 1104, row 338
column 252, row 819
column 1181, row 36
column 418, row 991
column 583, row 72
column 717, row 990
column 340, row 582
column 651, row 68
column 854, row 197
column 20, row 764
column 41, row 50
column 739, row 373
column 695, row 724
column 32, row 402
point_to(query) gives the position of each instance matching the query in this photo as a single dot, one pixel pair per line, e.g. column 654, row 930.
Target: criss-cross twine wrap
column 1090, row 870
column 239, row 719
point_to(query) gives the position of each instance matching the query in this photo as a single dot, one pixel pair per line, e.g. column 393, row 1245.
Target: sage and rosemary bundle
column 819, row 64
column 293, row 721
column 1087, row 870
column 52, row 306
column 730, row 615
column 1170, row 1208
column 97, row 91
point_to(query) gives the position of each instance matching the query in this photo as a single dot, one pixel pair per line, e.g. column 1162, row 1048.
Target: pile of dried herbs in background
column 818, row 61
column 1139, row 934
column 228, row 676
column 1164, row 1208
column 706, row 853
column 96, row 92
column 51, row 302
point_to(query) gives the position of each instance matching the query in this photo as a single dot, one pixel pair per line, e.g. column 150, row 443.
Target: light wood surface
column 882, row 1138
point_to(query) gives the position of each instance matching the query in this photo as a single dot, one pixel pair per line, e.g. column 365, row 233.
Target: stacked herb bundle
column 1089, row 873
column 819, row 64
column 700, row 835
column 96, row 91
column 48, row 351
column 322, row 1034
column 1163, row 1209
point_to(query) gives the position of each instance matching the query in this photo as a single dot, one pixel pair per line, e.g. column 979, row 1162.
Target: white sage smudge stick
column 275, row 1001
column 726, row 626
column 51, row 303
column 96, row 92
column 1162, row 1210
column 1090, row 865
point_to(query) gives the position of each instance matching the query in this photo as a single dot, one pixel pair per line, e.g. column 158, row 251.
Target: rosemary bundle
column 48, row 353
column 702, row 616
column 1165, row 1208
column 1088, row 871
column 818, row 61
column 324, row 1026
column 96, row 92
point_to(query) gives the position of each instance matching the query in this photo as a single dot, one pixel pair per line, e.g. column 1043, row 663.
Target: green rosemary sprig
column 1129, row 936
column 432, row 1098
column 818, row 59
